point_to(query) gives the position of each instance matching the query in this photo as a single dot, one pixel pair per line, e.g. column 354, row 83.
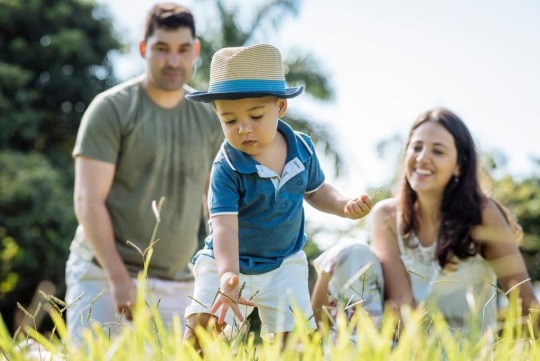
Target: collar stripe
column 226, row 155
column 299, row 136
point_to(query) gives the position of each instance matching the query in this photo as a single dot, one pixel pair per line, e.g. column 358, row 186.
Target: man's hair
column 168, row 16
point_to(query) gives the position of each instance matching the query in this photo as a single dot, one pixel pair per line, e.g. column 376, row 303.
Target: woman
column 441, row 241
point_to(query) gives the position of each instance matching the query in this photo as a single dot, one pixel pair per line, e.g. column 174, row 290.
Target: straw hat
column 246, row 72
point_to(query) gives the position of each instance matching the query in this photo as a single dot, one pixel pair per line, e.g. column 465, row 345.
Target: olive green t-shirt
column 158, row 153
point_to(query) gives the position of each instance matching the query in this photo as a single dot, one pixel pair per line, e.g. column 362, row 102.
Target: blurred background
column 369, row 68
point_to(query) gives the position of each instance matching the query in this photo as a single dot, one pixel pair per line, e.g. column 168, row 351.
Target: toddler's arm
column 225, row 230
column 328, row 199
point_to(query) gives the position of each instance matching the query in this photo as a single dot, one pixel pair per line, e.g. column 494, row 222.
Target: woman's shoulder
column 493, row 212
column 497, row 225
column 385, row 212
column 386, row 207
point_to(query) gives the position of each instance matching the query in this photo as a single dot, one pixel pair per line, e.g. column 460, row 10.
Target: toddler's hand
column 229, row 296
column 358, row 207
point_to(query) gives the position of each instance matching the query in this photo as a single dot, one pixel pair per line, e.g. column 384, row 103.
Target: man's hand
column 230, row 295
column 124, row 295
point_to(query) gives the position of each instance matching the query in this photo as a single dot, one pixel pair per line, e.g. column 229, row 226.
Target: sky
column 388, row 61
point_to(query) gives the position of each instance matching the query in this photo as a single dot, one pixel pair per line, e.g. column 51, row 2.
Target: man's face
column 170, row 55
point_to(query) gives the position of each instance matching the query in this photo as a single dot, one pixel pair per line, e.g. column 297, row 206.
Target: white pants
column 85, row 281
column 275, row 293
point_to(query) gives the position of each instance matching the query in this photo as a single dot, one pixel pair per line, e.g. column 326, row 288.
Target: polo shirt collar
column 244, row 163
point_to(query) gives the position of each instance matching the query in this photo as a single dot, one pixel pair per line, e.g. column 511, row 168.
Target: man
column 138, row 142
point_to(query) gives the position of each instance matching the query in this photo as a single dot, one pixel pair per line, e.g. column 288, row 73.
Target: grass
column 422, row 336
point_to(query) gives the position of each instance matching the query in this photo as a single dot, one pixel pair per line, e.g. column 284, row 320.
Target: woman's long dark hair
column 461, row 206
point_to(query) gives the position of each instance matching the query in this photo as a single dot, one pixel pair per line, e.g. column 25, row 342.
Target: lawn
column 422, row 336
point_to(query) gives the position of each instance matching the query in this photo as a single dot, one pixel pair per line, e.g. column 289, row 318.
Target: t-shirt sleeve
column 223, row 195
column 315, row 173
column 99, row 134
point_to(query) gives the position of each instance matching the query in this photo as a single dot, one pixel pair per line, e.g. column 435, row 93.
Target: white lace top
column 466, row 295
column 469, row 291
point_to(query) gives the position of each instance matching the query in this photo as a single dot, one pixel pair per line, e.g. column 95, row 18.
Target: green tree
column 53, row 61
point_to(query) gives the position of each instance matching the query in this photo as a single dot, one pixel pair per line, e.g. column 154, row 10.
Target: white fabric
column 465, row 296
column 469, row 291
column 356, row 279
column 275, row 293
column 85, row 281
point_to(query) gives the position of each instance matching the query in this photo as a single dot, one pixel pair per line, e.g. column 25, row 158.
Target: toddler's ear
column 282, row 106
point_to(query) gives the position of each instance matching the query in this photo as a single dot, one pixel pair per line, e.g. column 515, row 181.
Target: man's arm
column 93, row 180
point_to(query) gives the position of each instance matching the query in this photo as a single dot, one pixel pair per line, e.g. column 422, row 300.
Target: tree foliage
column 33, row 203
column 53, row 61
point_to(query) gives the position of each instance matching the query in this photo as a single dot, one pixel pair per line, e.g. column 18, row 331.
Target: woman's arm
column 397, row 286
column 501, row 250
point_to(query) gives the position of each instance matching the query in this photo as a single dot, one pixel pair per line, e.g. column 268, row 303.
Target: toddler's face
column 250, row 124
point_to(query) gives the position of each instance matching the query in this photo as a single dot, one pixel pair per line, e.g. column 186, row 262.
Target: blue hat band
column 248, row 85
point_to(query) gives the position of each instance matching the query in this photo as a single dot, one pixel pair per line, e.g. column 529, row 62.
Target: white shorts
column 276, row 293
column 85, row 281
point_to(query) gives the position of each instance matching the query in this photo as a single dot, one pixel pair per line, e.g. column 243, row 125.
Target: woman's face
column 431, row 158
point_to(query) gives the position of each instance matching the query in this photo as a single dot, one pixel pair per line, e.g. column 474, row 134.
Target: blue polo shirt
column 269, row 206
